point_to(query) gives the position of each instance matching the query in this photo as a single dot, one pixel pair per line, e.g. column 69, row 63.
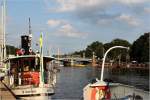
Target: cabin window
column 25, row 71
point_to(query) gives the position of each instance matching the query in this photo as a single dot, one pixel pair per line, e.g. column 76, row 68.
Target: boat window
column 25, row 71
column 21, row 70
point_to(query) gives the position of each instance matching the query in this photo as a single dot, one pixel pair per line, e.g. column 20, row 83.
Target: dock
column 5, row 93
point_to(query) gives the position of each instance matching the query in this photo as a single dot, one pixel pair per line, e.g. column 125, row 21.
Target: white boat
column 102, row 90
column 28, row 75
column 27, row 81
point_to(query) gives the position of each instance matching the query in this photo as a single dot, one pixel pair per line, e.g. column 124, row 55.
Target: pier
column 5, row 93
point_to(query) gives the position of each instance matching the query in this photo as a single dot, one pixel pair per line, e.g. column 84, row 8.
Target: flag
column 41, row 59
column 41, row 40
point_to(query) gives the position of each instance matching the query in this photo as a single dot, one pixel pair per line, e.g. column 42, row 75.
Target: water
column 71, row 81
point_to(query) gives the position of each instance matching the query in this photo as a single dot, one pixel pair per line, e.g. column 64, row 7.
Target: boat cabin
column 25, row 70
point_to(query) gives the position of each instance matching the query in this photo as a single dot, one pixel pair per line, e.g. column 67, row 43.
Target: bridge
column 75, row 61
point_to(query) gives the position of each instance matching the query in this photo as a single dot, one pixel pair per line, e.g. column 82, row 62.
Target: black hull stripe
column 29, row 95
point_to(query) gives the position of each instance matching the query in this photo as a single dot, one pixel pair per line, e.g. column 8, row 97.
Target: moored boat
column 29, row 74
column 25, row 78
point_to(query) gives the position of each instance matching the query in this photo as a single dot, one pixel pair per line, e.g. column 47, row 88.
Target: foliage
column 140, row 49
column 96, row 48
column 80, row 53
column 10, row 50
column 117, row 53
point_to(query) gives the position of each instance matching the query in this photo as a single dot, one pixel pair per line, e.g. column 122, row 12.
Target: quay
column 5, row 93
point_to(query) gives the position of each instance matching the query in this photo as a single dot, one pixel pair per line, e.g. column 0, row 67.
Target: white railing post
column 102, row 70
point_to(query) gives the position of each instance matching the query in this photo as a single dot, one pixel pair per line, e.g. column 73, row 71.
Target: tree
column 96, row 47
column 116, row 53
column 10, row 50
column 140, row 49
column 80, row 53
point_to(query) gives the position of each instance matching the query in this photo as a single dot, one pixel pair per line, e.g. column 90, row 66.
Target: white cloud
column 128, row 2
column 68, row 30
column 128, row 19
column 54, row 22
column 147, row 10
column 71, row 5
column 64, row 28
column 103, row 21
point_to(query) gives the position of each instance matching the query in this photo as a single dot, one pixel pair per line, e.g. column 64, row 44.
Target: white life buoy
column 99, row 94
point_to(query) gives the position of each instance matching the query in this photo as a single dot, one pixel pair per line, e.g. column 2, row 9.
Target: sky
column 71, row 25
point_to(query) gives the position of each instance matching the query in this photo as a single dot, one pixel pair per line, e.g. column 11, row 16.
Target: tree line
column 139, row 50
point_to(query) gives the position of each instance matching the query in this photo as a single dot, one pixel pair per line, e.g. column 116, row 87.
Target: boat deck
column 5, row 93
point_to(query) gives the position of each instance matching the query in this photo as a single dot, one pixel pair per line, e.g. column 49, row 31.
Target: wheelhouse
column 25, row 70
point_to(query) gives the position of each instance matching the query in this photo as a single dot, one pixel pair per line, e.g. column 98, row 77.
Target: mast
column 29, row 26
column 58, row 53
column 30, row 33
column 3, row 32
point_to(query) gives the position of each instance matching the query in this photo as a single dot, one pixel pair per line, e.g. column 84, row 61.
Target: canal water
column 71, row 81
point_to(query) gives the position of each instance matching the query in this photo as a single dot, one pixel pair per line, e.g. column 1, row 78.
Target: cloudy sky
column 73, row 24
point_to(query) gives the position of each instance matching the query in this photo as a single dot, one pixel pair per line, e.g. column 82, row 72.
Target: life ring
column 30, row 50
column 99, row 93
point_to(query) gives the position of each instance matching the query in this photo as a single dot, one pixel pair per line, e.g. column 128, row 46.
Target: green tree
column 10, row 50
column 80, row 53
column 116, row 53
column 96, row 47
column 140, row 49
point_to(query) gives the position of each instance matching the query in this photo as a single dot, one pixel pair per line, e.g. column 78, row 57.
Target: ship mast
column 30, row 33
column 29, row 27
column 3, row 32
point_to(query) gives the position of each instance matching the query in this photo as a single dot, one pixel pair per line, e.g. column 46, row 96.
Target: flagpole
column 41, row 61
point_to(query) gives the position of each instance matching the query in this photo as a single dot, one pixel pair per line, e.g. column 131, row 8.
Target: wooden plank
column 5, row 94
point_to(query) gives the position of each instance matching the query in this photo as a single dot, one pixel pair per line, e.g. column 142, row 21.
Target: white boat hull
column 119, row 92
column 38, row 93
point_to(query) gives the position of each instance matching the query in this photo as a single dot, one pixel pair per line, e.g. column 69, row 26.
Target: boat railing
column 32, row 78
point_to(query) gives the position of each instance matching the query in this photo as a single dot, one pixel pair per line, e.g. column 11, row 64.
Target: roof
column 27, row 56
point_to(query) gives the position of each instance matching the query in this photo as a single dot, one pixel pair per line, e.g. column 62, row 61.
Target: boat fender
column 97, row 94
